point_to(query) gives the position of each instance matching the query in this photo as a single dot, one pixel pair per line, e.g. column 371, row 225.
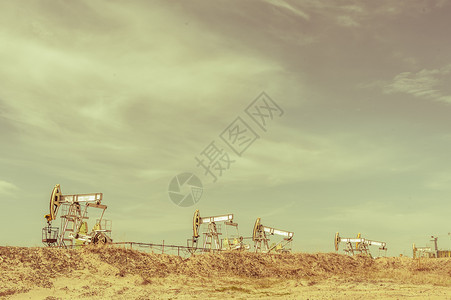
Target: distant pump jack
column 361, row 245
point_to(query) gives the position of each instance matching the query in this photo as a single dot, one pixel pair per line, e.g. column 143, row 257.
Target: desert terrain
column 117, row 273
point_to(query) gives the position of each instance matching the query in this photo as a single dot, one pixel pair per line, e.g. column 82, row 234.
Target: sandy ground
column 111, row 273
column 86, row 286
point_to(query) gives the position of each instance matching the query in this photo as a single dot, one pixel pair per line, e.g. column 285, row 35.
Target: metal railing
column 164, row 248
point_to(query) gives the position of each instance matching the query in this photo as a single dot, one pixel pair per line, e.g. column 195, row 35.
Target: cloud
column 426, row 84
column 295, row 158
column 411, row 7
column 125, row 107
column 347, row 21
column 438, row 181
column 356, row 13
column 408, row 60
column 7, row 188
column 279, row 211
column 137, row 83
column 284, row 5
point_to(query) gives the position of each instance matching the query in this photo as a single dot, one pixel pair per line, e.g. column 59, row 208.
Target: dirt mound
column 24, row 268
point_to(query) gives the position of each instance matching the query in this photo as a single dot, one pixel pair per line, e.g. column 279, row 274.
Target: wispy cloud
column 439, row 181
column 347, row 21
column 427, row 84
column 7, row 188
column 285, row 5
column 314, row 158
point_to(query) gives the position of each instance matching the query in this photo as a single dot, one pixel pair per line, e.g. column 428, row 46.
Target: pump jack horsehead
column 361, row 245
column 73, row 225
column 212, row 233
column 259, row 236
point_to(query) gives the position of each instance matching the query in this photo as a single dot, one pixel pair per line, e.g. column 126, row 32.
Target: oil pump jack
column 361, row 245
column 211, row 239
column 261, row 240
column 74, row 227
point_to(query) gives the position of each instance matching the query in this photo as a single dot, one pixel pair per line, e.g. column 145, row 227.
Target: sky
column 120, row 97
